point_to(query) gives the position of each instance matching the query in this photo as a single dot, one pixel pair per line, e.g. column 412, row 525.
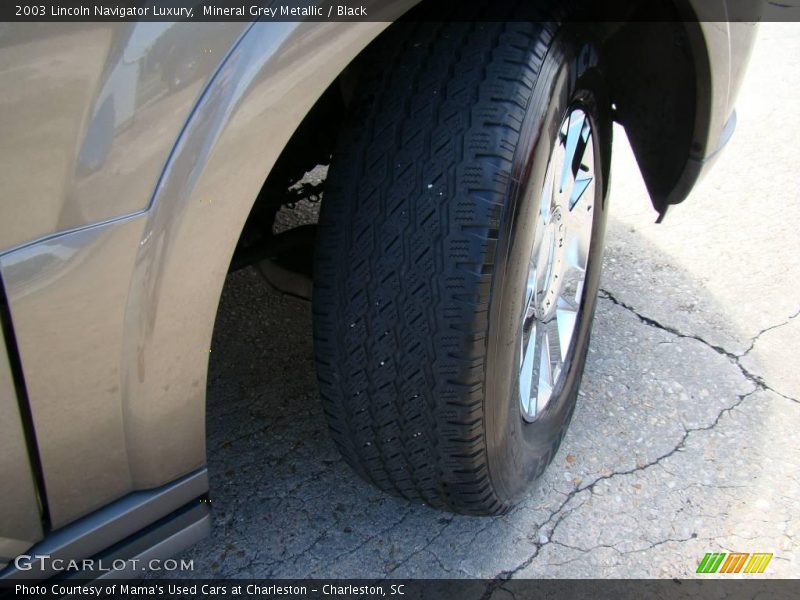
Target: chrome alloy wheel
column 557, row 267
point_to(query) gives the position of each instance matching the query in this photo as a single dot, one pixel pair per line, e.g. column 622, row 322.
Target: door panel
column 20, row 523
column 67, row 299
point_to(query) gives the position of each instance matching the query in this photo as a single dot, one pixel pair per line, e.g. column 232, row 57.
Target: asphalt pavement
column 685, row 439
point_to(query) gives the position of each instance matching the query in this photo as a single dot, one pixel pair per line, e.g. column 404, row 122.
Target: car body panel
column 721, row 34
column 20, row 525
column 87, row 108
column 67, row 297
column 722, row 50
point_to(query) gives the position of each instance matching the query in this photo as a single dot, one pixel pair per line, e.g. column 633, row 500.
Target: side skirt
column 143, row 525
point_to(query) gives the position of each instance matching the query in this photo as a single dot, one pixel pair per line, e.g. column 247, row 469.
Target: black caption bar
column 382, row 10
column 400, row 589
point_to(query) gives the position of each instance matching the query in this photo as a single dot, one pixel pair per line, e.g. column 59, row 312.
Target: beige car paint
column 21, row 526
column 114, row 321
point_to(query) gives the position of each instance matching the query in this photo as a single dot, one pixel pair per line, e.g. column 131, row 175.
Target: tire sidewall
column 519, row 451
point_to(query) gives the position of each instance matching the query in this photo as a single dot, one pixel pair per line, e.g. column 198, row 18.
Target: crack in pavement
column 635, row 550
column 735, row 358
column 770, row 328
column 559, row 514
column 425, row 547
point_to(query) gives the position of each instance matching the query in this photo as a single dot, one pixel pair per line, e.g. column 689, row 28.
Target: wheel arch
column 251, row 108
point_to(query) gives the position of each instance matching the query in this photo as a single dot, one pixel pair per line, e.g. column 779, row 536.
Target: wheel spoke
column 545, row 379
column 565, row 321
column 576, row 253
column 581, row 185
column 526, row 373
column 579, row 199
column 577, row 141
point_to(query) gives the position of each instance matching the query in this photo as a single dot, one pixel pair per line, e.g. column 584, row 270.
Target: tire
column 424, row 245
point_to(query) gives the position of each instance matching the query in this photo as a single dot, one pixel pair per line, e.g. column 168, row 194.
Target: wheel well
column 651, row 70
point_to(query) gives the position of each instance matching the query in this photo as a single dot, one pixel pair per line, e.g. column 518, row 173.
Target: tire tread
column 405, row 255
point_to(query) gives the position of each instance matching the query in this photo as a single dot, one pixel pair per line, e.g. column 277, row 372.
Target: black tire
column 421, row 256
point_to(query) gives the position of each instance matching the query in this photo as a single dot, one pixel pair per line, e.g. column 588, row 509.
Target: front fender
column 250, row 110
